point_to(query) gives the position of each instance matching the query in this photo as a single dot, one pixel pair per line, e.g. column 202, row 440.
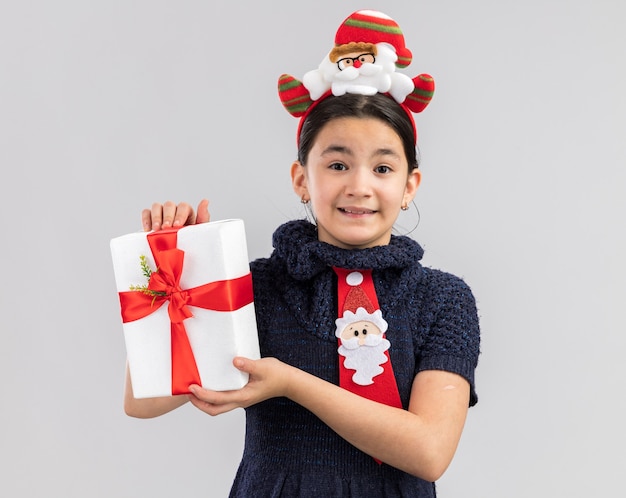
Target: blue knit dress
column 433, row 324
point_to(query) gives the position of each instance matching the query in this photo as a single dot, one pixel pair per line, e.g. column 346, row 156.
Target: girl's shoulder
column 267, row 275
column 440, row 281
column 263, row 268
column 440, row 292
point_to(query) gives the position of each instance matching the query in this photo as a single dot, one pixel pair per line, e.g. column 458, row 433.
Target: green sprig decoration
column 147, row 271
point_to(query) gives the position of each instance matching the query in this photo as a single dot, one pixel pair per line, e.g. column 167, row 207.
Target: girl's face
column 357, row 179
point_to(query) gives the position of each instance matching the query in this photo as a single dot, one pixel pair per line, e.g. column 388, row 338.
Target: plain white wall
column 108, row 106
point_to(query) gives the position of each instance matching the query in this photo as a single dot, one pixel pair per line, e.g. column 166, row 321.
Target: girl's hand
column 269, row 378
column 169, row 215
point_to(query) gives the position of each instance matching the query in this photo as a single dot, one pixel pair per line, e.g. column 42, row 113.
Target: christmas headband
column 369, row 46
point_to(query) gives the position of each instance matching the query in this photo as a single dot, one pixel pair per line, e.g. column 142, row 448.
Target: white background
column 108, row 106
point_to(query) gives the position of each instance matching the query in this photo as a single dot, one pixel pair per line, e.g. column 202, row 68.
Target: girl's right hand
column 169, row 215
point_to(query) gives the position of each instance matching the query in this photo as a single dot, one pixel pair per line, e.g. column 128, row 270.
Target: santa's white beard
column 367, row 359
column 369, row 79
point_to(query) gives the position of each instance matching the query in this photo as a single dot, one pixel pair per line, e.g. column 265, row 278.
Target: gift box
column 187, row 307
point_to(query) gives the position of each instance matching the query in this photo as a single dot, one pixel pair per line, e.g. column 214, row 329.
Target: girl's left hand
column 269, row 378
column 169, row 215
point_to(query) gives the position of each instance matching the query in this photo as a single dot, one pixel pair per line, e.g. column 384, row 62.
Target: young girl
column 382, row 414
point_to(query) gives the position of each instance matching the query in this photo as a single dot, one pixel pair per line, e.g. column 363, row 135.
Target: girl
column 313, row 426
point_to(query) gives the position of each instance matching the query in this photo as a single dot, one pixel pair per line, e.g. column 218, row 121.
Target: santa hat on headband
column 373, row 46
column 370, row 26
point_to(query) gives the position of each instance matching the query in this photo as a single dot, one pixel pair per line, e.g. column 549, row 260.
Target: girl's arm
column 420, row 441
column 149, row 407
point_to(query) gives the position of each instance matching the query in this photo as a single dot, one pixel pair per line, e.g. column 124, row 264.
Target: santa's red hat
column 356, row 297
column 371, row 26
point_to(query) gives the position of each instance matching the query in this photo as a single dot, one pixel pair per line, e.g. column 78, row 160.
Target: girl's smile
column 356, row 178
column 356, row 211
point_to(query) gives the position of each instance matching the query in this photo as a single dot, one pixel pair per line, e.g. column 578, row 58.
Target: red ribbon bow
column 223, row 295
column 166, row 281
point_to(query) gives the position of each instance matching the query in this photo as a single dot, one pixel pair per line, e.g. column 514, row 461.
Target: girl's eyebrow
column 342, row 149
column 386, row 152
column 337, row 148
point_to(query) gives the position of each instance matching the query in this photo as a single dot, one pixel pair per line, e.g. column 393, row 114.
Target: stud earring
column 404, row 207
column 304, row 201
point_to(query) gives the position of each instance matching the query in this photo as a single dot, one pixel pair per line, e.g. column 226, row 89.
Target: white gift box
column 213, row 253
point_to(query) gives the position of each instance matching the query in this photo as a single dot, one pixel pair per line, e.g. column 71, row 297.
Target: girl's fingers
column 210, row 408
column 146, row 220
column 214, row 402
column 169, row 212
column 203, row 215
column 156, row 215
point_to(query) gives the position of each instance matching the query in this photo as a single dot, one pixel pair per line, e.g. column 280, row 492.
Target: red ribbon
column 223, row 295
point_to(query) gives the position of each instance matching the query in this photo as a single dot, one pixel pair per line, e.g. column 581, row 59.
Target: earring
column 307, row 209
column 405, row 207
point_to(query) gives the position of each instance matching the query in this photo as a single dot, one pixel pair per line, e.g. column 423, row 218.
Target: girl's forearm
column 420, row 445
column 149, row 407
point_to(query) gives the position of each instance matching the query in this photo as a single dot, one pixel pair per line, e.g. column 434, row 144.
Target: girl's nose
column 359, row 183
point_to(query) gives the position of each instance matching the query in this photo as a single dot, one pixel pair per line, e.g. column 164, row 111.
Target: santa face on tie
column 362, row 344
column 361, row 333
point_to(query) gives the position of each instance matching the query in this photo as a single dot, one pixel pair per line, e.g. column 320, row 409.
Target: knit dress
column 433, row 324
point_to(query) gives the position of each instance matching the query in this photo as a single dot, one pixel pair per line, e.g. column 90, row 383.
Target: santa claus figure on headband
column 365, row 67
column 369, row 47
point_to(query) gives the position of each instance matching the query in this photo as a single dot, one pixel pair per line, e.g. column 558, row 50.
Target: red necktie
column 364, row 363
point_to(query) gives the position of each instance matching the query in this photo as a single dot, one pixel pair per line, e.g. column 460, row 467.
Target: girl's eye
column 337, row 166
column 383, row 169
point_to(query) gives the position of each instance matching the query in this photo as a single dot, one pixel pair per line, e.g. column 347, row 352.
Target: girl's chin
column 355, row 240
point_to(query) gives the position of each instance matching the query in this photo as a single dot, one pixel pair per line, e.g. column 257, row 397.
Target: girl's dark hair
column 376, row 106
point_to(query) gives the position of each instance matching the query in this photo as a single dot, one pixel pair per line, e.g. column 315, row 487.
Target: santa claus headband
column 369, row 47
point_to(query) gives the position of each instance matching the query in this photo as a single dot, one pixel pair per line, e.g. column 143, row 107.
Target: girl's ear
column 298, row 180
column 412, row 184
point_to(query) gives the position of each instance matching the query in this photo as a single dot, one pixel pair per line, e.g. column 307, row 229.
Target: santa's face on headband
column 362, row 68
column 359, row 72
